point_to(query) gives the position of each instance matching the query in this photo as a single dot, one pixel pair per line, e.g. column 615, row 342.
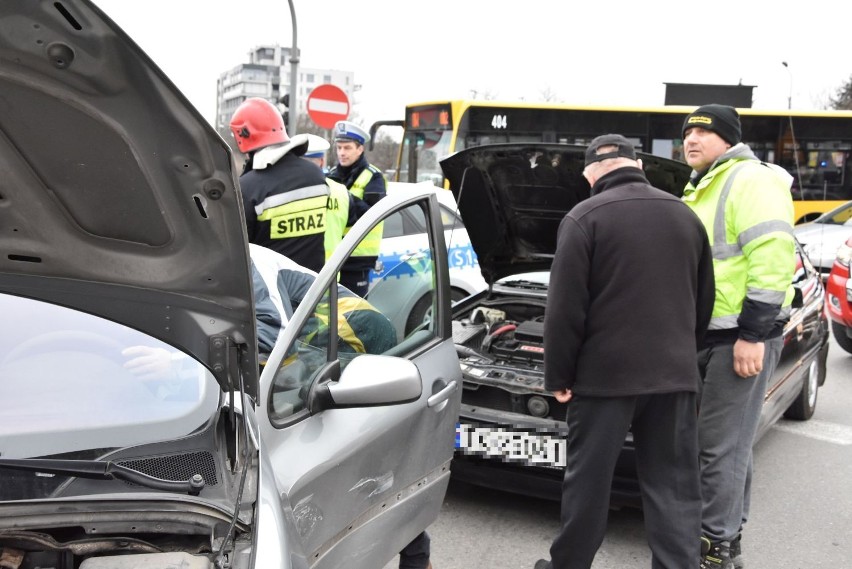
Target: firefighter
column 284, row 197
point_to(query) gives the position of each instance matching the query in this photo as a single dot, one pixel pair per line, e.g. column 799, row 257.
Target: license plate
column 532, row 448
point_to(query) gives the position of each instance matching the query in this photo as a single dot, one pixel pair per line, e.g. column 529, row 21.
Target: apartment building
column 267, row 75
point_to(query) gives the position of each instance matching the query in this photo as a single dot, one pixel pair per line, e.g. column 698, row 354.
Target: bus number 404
column 499, row 121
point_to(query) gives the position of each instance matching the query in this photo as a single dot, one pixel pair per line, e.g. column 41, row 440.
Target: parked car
column 822, row 236
column 124, row 237
column 511, row 431
column 402, row 255
column 838, row 298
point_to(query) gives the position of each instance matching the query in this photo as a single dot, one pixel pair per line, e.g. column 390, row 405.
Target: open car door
column 359, row 419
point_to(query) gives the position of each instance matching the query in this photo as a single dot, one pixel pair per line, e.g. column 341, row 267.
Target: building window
column 326, row 78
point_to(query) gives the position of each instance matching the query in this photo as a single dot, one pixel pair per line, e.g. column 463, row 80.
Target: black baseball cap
column 624, row 148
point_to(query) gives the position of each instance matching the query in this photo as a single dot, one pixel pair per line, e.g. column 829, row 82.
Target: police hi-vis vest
column 747, row 210
column 370, row 245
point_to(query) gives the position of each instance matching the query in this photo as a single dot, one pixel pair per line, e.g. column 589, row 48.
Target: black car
column 511, row 433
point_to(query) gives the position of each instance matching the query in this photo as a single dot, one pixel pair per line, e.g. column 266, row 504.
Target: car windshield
column 72, row 382
column 838, row 216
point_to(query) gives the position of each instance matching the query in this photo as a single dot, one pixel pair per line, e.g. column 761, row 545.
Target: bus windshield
column 428, row 138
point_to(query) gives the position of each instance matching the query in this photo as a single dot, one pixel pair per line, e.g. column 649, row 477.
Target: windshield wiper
column 103, row 470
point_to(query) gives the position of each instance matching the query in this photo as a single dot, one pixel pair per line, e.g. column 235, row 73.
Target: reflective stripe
column 337, row 216
column 291, row 196
column 370, row 245
column 730, row 321
column 723, row 322
column 767, row 296
column 763, row 228
column 296, row 219
column 361, row 182
column 721, row 248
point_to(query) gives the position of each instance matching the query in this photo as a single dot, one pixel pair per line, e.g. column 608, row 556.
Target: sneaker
column 737, row 552
column 715, row 554
column 543, row 564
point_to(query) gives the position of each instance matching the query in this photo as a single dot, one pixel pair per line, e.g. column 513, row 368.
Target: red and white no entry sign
column 328, row 104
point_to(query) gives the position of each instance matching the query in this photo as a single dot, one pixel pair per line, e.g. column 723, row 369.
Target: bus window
column 814, row 146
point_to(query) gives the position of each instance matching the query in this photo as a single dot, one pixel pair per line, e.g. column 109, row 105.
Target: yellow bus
column 814, row 146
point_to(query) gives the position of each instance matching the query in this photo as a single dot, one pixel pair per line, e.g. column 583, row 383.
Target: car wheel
column 422, row 310
column 804, row 405
column 840, row 335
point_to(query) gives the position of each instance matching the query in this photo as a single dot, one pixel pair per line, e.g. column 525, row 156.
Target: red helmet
column 257, row 123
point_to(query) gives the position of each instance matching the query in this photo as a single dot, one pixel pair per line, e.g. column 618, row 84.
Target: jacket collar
column 619, row 177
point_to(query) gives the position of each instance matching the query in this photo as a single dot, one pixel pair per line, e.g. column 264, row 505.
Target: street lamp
column 790, row 94
column 293, row 107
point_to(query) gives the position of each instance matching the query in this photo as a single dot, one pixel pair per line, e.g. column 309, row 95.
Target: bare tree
column 384, row 153
column 842, row 100
column 548, row 95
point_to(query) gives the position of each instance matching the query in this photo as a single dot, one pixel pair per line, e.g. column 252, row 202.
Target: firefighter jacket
column 285, row 200
column 747, row 210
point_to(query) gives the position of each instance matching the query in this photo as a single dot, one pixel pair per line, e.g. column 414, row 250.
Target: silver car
column 824, row 235
column 138, row 425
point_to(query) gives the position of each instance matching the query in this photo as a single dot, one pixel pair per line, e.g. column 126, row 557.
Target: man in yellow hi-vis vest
column 367, row 185
column 747, row 209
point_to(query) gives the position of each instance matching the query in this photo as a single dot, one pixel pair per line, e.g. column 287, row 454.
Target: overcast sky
column 586, row 52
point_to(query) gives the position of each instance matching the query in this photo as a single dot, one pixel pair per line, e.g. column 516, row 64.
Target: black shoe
column 543, row 564
column 737, row 552
column 715, row 554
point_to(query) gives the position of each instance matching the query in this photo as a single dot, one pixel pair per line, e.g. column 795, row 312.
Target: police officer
column 367, row 185
column 284, row 197
column 339, row 211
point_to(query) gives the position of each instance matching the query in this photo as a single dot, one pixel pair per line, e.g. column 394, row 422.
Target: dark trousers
column 356, row 280
column 665, row 436
column 729, row 414
column 415, row 555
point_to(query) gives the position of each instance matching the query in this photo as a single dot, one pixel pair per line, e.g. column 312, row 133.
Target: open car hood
column 116, row 197
column 512, row 198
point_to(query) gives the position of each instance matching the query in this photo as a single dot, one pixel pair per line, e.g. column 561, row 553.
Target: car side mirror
column 367, row 381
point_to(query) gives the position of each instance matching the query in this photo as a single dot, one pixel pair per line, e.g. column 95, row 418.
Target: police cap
column 345, row 130
column 317, row 146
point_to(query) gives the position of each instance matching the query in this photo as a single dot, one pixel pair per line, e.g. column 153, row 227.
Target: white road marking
column 820, row 430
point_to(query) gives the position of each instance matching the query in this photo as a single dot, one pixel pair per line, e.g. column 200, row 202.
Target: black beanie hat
column 721, row 119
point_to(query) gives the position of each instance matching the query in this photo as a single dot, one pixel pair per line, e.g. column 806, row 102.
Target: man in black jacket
column 631, row 292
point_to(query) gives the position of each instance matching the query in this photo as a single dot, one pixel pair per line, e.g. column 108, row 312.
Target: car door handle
column 442, row 395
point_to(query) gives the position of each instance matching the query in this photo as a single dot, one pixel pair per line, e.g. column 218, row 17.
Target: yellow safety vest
column 337, row 214
column 370, row 245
